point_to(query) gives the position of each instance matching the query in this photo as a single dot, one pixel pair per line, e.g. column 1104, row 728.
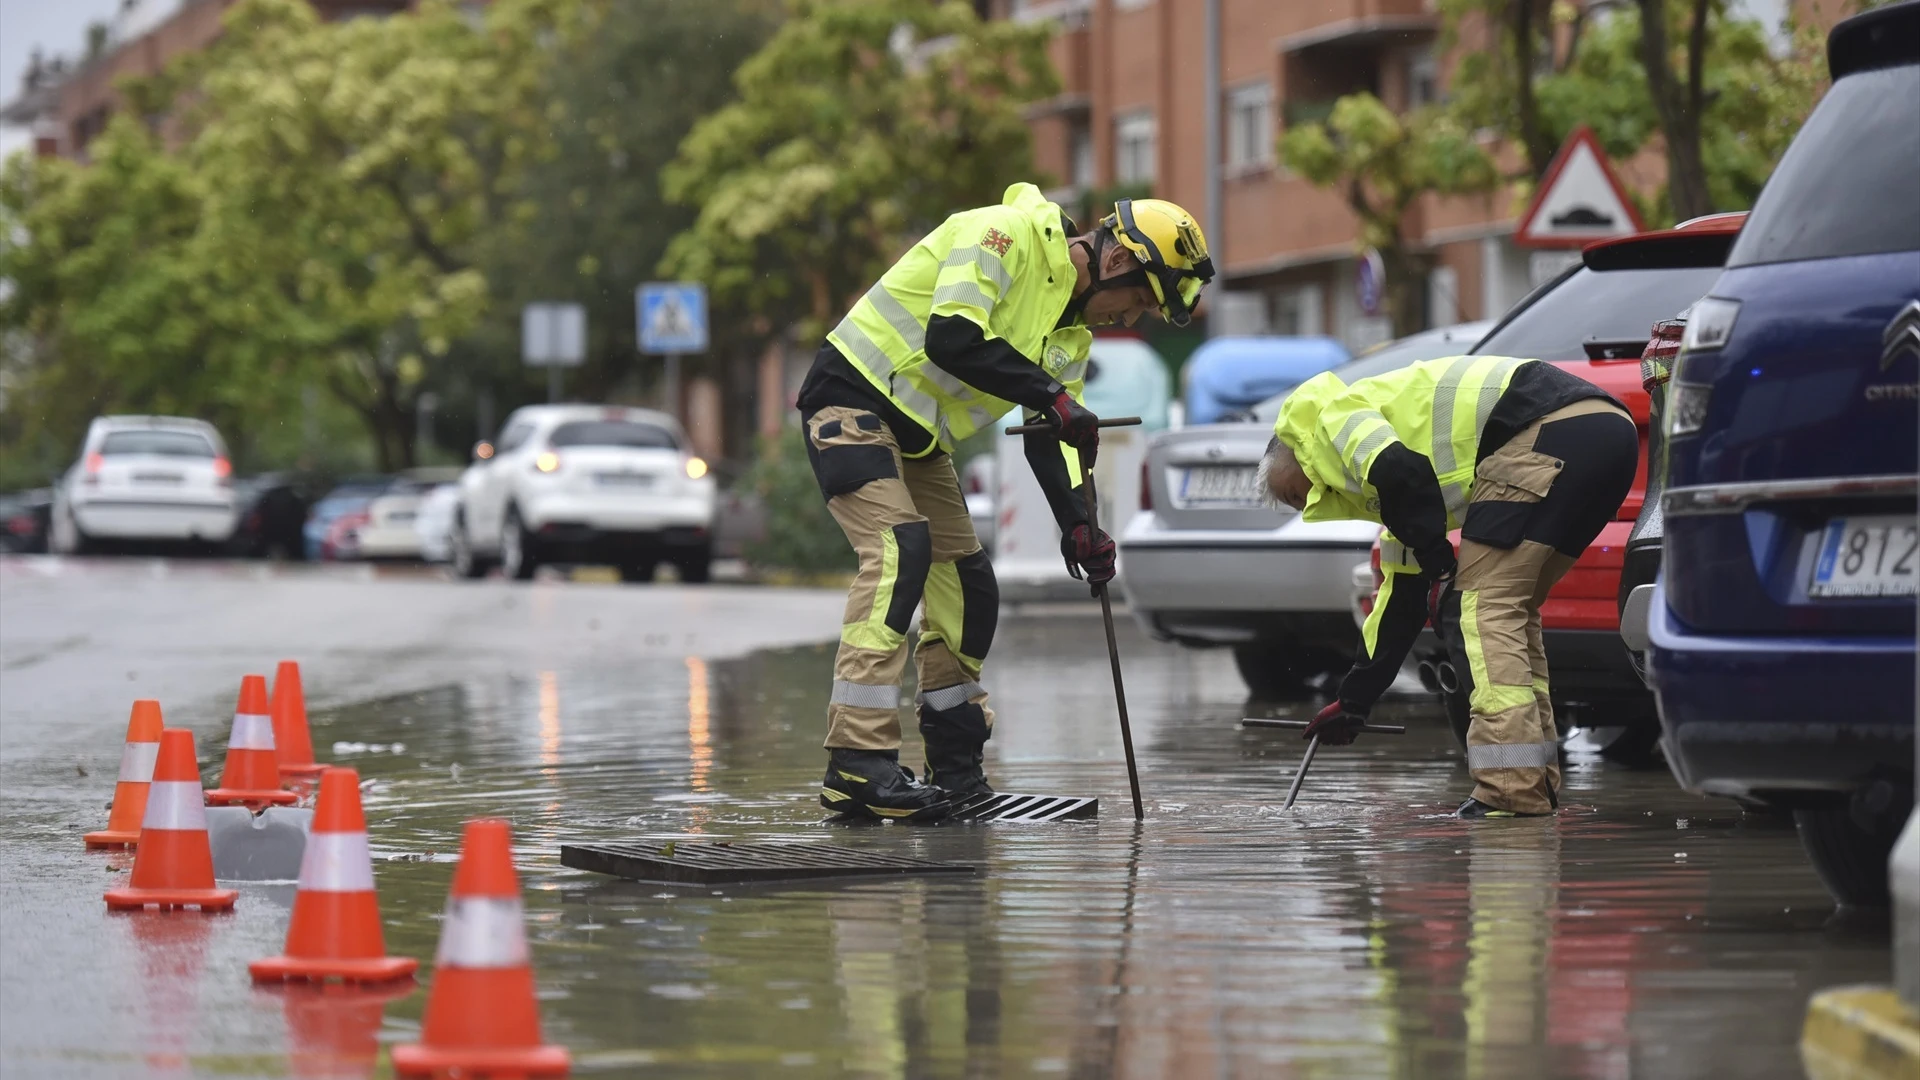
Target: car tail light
column 972, row 485
column 547, row 462
column 1663, row 348
column 1146, row 484
column 1379, row 575
column 696, row 468
column 95, row 462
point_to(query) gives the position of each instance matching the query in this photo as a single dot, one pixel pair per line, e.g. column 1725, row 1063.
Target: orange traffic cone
column 173, row 866
column 252, row 773
column 335, row 932
column 481, row 1018
column 136, row 771
column 292, row 741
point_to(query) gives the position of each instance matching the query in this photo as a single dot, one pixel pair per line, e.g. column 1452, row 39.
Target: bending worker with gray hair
column 1528, row 461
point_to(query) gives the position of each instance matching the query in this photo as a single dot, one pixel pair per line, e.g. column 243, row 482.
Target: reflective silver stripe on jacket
column 863, row 696
column 898, row 317
column 951, row 697
column 1536, row 755
column 965, row 292
column 990, row 265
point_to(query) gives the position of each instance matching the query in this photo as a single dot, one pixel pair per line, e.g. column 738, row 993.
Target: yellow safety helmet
column 1171, row 249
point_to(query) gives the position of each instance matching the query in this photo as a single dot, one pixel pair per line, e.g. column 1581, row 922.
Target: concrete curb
column 1860, row 1033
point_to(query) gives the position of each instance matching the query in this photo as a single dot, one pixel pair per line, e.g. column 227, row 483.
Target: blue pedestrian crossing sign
column 673, row 317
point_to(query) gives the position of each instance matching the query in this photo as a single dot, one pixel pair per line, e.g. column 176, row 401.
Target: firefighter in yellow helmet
column 1528, row 461
column 988, row 312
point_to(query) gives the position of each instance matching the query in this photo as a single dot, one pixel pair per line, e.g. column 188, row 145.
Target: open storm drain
column 683, row 863
column 1028, row 808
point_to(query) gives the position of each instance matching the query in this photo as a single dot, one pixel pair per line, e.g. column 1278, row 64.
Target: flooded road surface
column 1643, row 933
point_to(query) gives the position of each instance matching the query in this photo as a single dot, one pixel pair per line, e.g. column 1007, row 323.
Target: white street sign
column 553, row 335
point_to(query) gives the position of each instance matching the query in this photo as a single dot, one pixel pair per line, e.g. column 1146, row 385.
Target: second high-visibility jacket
column 1005, row 270
column 1401, row 449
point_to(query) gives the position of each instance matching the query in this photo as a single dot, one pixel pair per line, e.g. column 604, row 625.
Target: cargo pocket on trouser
column 849, row 448
column 1507, row 487
column 1511, row 748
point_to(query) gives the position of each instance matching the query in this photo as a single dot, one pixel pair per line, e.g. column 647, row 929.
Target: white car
column 585, row 484
column 386, row 529
column 433, row 522
column 145, row 478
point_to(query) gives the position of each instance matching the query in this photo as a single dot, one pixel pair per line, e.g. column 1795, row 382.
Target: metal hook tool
column 1106, row 605
column 1313, row 745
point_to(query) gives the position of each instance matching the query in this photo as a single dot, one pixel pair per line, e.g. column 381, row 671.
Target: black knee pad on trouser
column 913, row 546
column 1600, row 453
column 980, row 597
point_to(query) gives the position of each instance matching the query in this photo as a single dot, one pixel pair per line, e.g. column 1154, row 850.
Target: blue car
column 1228, row 376
column 1782, row 627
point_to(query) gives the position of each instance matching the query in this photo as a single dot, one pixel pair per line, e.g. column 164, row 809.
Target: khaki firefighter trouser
column 907, row 520
column 1537, row 502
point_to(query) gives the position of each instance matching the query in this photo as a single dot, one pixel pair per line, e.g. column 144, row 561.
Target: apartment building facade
column 1133, row 114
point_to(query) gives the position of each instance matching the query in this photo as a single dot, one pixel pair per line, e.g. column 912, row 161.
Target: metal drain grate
column 1023, row 809
column 682, row 863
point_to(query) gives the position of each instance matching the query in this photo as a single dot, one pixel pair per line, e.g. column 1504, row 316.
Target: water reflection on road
column 1643, row 933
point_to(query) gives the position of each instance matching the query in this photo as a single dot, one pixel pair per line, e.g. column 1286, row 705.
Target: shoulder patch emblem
column 996, row 241
column 1056, row 361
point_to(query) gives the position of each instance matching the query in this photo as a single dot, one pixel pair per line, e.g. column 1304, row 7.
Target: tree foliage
column 859, row 126
column 1694, row 73
column 308, row 211
column 1383, row 163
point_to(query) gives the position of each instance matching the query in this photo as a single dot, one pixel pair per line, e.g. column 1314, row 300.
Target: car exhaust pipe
column 1429, row 676
column 1448, row 678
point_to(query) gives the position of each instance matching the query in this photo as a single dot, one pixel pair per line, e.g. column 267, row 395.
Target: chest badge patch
column 996, row 241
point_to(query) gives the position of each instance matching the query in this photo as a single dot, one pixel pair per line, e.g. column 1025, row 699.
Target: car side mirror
column 482, row 450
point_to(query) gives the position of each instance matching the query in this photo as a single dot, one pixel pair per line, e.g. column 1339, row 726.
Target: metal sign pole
column 672, row 388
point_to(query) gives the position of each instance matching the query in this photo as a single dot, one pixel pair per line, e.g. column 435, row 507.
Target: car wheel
column 465, row 563
column 1279, row 671
column 696, row 568
column 638, row 571
column 1849, row 844
column 517, row 558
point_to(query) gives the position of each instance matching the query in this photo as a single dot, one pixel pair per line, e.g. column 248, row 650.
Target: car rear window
column 1612, row 305
column 1846, row 185
column 164, row 443
column 612, row 433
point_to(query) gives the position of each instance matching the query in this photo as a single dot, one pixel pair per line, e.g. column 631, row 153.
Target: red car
column 1595, row 320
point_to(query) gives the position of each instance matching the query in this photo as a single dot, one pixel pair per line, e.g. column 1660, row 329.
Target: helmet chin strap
column 1077, row 306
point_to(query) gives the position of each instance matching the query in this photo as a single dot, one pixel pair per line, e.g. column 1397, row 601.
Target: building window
column 1080, row 154
column 1133, row 148
column 1423, row 79
column 1250, row 127
column 1130, row 5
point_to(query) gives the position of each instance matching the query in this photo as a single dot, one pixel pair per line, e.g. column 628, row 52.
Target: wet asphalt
column 1642, row 933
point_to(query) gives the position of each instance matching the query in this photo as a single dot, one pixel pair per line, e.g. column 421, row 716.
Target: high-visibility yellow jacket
column 1003, row 267
column 1438, row 408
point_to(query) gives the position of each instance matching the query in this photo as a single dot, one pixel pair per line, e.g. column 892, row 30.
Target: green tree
column 589, row 221
column 1692, row 71
column 859, row 126
column 1383, row 163
column 316, row 219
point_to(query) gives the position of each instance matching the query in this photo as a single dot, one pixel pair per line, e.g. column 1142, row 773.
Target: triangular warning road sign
column 1580, row 200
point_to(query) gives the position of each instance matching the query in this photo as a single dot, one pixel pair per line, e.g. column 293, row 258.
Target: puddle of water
column 1365, row 933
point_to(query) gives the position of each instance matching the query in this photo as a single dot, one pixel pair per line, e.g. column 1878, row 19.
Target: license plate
column 158, row 478
column 1220, row 485
column 399, row 516
column 1867, row 556
column 624, row 479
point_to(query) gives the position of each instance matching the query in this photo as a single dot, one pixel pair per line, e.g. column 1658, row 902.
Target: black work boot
column 956, row 741
column 873, row 784
column 1474, row 810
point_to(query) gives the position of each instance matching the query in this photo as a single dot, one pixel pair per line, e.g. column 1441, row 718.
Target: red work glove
column 1076, row 425
column 1090, row 550
column 1335, row 725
